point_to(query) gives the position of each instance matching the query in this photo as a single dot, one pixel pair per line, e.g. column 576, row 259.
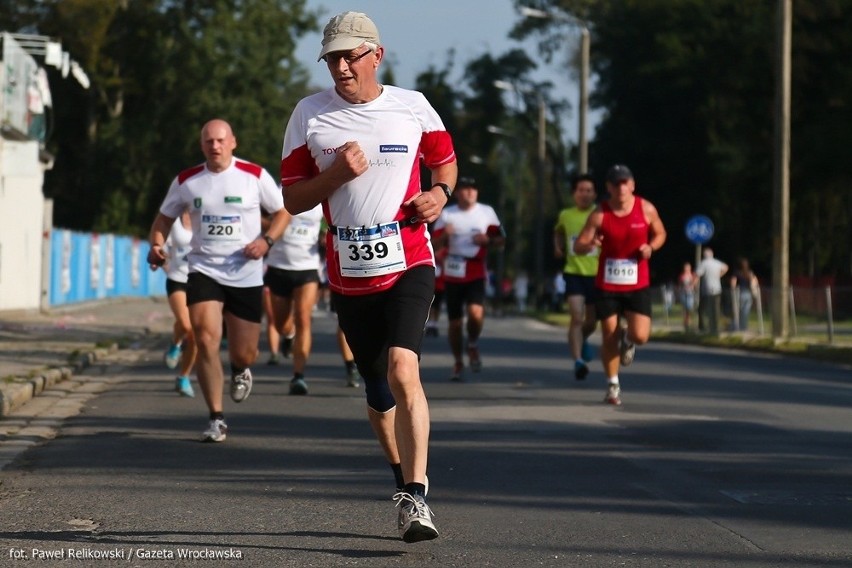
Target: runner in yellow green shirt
column 579, row 272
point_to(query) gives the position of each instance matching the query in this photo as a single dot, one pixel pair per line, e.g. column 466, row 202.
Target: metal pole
column 539, row 210
column 830, row 316
column 781, row 177
column 582, row 141
column 792, row 298
column 46, row 247
column 735, row 306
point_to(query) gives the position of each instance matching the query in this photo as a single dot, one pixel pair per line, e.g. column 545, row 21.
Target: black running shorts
column 244, row 303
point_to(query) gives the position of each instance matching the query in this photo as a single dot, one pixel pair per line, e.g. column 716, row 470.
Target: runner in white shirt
column 182, row 348
column 467, row 228
column 356, row 148
column 292, row 278
column 224, row 196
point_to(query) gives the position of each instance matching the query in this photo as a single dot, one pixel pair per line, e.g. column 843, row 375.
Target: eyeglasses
column 334, row 58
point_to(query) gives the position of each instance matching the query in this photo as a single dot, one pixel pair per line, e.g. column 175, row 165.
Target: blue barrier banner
column 92, row 266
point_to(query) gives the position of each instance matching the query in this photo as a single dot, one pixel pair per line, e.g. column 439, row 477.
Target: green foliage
column 688, row 87
column 159, row 71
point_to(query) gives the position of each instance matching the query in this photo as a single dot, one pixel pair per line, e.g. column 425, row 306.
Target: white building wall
column 21, row 225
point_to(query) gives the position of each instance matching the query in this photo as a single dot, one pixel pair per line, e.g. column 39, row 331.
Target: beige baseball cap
column 346, row 31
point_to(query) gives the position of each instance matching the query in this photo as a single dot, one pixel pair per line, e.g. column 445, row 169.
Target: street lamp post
column 585, row 47
column 539, row 209
column 583, row 103
column 781, row 175
column 501, row 201
column 541, row 156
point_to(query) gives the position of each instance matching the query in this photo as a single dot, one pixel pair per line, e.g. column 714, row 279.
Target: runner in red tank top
column 628, row 231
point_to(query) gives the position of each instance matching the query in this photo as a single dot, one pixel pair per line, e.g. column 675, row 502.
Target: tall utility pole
column 583, row 103
column 539, row 211
column 541, row 163
column 583, row 143
column 781, row 175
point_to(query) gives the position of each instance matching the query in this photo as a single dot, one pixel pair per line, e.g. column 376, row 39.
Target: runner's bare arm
column 656, row 230
column 427, row 205
column 157, row 238
column 588, row 238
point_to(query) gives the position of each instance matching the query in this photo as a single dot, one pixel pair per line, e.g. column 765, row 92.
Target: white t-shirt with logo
column 225, row 212
column 465, row 260
column 395, row 131
column 298, row 247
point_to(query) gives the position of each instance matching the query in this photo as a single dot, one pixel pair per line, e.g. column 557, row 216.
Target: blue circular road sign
column 699, row 229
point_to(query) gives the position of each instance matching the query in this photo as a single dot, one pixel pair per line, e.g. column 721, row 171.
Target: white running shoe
column 217, row 431
column 241, row 386
column 415, row 518
column 613, row 395
column 626, row 350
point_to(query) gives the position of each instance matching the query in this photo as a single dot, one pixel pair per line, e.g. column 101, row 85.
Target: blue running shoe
column 172, row 356
column 183, row 387
column 581, row 370
column 587, row 352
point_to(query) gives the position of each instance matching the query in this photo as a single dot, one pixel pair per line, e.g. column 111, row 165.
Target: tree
column 159, row 70
column 688, row 91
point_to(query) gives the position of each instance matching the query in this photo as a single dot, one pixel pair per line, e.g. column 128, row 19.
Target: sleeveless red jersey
column 621, row 267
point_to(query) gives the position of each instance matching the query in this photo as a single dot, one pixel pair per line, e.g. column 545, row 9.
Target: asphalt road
column 717, row 458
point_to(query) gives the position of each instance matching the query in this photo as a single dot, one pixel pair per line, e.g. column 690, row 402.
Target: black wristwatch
column 445, row 188
column 268, row 240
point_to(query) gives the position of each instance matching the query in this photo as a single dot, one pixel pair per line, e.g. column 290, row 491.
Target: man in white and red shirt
column 356, row 148
column 224, row 197
column 467, row 228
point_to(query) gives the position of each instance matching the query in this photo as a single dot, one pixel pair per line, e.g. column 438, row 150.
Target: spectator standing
column 710, row 272
column 746, row 287
column 522, row 290
column 687, row 283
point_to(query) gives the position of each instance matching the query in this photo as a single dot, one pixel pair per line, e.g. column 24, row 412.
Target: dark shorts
column 173, row 286
column 374, row 323
column 459, row 294
column 282, row 282
column 612, row 303
column 438, row 301
column 393, row 318
column 576, row 285
column 244, row 303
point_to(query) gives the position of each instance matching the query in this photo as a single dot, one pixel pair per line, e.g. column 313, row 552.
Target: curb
column 23, row 389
